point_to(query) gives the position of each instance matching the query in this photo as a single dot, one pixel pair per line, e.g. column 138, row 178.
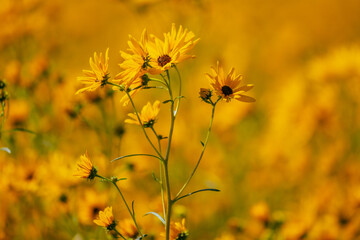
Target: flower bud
column 205, row 95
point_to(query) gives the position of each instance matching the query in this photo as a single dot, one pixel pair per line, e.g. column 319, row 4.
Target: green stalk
column 138, row 117
column 161, row 175
column 142, row 126
column 159, row 81
column 166, row 161
column 123, row 198
column 202, row 152
column 180, row 86
column 119, row 234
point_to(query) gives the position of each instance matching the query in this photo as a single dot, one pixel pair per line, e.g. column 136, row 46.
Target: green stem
column 161, row 175
column 162, row 188
column 157, row 137
column 202, row 152
column 123, row 198
column 159, row 81
column 119, row 234
column 169, row 201
column 180, row 86
column 134, row 155
column 166, row 161
column 141, row 124
column 2, row 116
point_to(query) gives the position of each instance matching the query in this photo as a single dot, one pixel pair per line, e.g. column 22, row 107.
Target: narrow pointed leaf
column 132, row 208
column 156, row 215
column 22, row 130
column 166, row 101
column 133, row 155
column 201, row 190
column 5, row 149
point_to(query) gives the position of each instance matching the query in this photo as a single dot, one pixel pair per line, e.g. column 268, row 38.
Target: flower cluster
column 149, row 55
column 153, row 56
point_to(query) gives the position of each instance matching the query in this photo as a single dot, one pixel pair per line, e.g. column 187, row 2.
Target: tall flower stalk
column 145, row 58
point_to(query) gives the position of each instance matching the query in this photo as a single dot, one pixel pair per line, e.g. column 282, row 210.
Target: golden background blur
column 287, row 166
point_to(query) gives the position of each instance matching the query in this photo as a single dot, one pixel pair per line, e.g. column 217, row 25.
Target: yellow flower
column 90, row 203
column 98, row 76
column 228, row 86
column 147, row 116
column 260, row 211
column 128, row 229
column 174, row 49
column 106, row 219
column 135, row 63
column 178, row 230
column 85, row 168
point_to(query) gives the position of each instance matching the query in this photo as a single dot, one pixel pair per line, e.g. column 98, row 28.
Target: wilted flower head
column 98, row 76
column 228, row 86
column 147, row 116
column 85, row 168
column 106, row 219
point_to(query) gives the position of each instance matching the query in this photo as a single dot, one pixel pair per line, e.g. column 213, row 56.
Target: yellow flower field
column 180, row 119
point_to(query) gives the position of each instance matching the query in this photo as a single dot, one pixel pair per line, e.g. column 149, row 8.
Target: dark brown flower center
column 163, row 60
column 95, row 211
column 226, row 90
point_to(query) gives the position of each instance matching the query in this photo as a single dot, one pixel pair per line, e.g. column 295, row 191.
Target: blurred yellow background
column 287, row 166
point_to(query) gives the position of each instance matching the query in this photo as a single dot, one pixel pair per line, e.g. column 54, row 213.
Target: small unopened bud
column 144, row 80
column 205, row 95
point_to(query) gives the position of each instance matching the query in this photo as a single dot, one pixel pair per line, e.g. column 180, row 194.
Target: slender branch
column 169, row 201
column 180, row 86
column 123, row 198
column 201, row 190
column 160, row 173
column 157, row 137
column 161, row 170
column 134, row 155
column 119, row 234
column 159, row 81
column 166, row 161
column 142, row 126
column 202, row 152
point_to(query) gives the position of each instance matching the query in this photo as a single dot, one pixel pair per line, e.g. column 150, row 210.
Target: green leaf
column 156, row 215
column 166, row 101
column 23, row 130
column 201, row 190
column 202, row 143
column 5, row 149
column 132, row 207
column 133, row 155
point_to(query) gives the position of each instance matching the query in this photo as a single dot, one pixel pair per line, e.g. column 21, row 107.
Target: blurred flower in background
column 287, row 167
